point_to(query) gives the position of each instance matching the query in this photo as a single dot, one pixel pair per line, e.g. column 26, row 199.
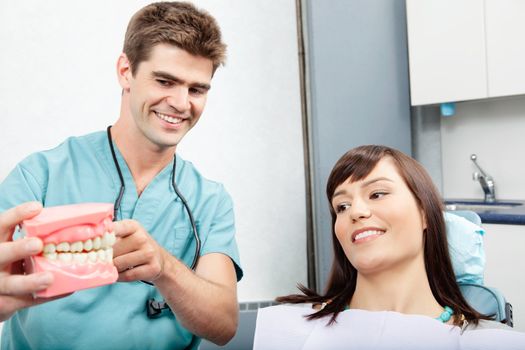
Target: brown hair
column 176, row 23
column 355, row 165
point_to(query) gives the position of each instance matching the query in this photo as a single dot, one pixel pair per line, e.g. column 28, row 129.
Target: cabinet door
column 446, row 41
column 505, row 47
column 505, row 265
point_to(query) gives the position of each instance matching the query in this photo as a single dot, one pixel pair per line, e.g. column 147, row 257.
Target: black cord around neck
column 190, row 215
column 175, row 188
column 116, row 206
column 154, row 308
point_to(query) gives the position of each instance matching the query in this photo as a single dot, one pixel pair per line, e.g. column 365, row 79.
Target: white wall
column 505, row 265
column 494, row 130
column 58, row 79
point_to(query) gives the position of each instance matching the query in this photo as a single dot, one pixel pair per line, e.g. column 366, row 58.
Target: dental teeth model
column 78, row 241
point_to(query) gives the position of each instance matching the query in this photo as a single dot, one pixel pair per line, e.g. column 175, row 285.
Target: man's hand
column 136, row 255
column 204, row 300
column 16, row 288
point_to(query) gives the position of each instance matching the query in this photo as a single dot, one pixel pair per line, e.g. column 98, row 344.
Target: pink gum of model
column 71, row 223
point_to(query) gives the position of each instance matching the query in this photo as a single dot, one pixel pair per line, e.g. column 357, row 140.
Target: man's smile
column 169, row 119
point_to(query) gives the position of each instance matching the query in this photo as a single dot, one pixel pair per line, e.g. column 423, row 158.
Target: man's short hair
column 176, row 23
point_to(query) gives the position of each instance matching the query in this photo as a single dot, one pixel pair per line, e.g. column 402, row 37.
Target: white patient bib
column 285, row 327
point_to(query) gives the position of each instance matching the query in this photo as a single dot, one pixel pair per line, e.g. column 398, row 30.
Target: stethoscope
column 154, row 308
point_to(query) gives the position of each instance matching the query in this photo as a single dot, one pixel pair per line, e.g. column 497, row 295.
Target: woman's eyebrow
column 364, row 184
column 339, row 193
column 374, row 180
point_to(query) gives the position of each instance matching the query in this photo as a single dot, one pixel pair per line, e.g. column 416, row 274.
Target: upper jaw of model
column 78, row 242
column 91, row 244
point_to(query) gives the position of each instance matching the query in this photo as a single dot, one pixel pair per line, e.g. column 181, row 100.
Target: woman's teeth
column 367, row 234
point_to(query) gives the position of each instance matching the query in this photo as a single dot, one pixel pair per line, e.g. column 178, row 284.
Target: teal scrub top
column 114, row 317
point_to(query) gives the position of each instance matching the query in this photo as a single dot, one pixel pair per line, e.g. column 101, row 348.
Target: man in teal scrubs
column 171, row 52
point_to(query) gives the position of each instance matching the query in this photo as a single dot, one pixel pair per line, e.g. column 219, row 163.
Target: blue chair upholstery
column 485, row 300
column 469, row 215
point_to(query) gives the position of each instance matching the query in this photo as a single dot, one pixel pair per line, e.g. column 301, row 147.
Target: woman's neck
column 404, row 289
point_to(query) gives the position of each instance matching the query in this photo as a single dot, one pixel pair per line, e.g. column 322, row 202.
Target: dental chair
column 486, row 300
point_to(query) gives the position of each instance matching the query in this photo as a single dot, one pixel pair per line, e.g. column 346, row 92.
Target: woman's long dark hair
column 357, row 164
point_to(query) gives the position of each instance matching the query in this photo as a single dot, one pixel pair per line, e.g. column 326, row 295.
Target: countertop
column 503, row 216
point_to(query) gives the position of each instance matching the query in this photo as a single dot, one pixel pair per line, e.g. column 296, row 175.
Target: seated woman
column 392, row 284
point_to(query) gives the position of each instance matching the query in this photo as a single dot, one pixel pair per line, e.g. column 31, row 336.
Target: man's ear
column 124, row 71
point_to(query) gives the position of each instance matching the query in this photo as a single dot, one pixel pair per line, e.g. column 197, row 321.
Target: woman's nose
column 359, row 210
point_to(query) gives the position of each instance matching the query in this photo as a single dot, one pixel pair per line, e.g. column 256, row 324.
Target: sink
column 503, row 211
column 480, row 205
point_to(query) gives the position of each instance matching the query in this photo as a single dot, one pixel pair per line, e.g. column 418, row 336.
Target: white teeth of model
column 88, row 245
column 101, row 255
column 111, row 239
column 50, row 256
column 65, row 257
column 92, row 256
column 63, row 247
column 96, row 243
column 50, row 248
column 80, row 258
column 108, row 240
column 109, row 255
column 366, row 234
column 77, row 247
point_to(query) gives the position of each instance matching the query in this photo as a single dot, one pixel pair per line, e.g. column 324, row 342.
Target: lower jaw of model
column 84, row 261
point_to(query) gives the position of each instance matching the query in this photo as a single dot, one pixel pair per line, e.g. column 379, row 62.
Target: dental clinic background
column 58, row 79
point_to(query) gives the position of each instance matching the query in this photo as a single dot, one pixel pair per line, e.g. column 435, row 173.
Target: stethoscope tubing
column 175, row 188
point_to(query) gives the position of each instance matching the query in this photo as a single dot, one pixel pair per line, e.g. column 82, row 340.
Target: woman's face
column 378, row 223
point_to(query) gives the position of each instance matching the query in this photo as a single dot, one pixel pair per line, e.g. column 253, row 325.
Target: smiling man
column 175, row 252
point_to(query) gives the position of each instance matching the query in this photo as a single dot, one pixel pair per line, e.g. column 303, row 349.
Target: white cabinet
column 505, row 266
column 446, row 45
column 465, row 49
column 505, row 21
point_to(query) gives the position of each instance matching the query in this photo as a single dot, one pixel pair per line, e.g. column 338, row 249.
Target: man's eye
column 196, row 91
column 164, row 82
column 341, row 207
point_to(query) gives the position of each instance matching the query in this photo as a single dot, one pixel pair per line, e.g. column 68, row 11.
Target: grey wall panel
column 426, row 141
column 358, row 88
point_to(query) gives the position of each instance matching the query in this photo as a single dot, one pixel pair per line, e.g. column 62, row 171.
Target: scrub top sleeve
column 221, row 236
column 19, row 186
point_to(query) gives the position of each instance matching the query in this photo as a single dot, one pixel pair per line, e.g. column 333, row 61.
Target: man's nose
column 359, row 210
column 179, row 99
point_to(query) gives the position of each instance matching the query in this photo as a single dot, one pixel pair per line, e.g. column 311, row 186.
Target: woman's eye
column 378, row 194
column 341, row 207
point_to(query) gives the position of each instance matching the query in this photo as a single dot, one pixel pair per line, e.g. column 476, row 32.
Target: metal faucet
column 486, row 181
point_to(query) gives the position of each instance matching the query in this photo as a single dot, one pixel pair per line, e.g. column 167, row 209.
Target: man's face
column 167, row 94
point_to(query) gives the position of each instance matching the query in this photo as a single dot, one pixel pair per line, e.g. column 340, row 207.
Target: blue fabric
column 465, row 242
column 114, row 317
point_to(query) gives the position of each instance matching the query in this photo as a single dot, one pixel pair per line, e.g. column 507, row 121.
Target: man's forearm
column 204, row 307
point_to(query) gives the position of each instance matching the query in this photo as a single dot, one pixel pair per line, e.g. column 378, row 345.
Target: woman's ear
column 423, row 219
column 124, row 72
